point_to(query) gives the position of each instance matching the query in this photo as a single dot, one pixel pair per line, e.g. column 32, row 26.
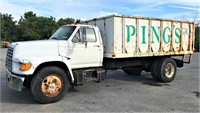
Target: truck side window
column 77, row 37
column 90, row 35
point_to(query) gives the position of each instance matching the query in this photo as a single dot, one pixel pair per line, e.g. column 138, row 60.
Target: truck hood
column 30, row 49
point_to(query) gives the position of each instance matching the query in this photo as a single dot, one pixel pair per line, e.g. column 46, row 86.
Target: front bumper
column 14, row 82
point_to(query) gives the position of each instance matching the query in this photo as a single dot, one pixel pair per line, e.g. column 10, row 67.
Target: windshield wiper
column 54, row 38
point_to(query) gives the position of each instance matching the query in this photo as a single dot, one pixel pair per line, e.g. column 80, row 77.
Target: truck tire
column 50, row 84
column 166, row 70
column 27, row 84
column 154, row 69
column 132, row 70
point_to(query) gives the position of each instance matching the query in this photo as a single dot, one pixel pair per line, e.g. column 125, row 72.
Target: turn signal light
column 25, row 67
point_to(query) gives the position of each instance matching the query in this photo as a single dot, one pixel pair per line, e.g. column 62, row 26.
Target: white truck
column 75, row 54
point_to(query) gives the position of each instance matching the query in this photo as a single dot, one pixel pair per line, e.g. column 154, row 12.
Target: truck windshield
column 63, row 33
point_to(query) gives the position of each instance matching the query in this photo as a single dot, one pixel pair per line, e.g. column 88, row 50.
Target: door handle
column 96, row 46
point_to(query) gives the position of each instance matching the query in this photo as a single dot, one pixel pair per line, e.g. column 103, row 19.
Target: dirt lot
column 118, row 93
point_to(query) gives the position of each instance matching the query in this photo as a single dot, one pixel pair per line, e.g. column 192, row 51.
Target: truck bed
column 132, row 36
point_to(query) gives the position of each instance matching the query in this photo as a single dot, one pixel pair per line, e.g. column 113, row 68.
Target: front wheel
column 49, row 85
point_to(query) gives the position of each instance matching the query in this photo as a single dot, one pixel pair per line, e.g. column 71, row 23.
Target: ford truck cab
column 46, row 66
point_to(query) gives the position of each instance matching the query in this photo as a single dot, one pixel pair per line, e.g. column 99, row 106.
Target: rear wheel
column 132, row 70
column 49, row 85
column 167, row 70
column 164, row 70
column 154, row 69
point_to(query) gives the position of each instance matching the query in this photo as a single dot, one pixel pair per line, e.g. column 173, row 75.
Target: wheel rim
column 51, row 86
column 169, row 70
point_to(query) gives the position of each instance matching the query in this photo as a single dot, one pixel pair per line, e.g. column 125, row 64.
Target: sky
column 88, row 9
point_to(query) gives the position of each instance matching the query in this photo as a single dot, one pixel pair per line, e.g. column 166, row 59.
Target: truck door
column 85, row 51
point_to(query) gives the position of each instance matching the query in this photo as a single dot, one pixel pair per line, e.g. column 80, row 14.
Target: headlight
column 25, row 66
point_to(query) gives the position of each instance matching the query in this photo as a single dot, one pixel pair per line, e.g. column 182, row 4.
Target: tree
column 77, row 21
column 27, row 27
column 30, row 26
column 8, row 27
column 62, row 21
column 36, row 28
column 46, row 26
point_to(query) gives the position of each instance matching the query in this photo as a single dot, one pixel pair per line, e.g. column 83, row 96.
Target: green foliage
column 8, row 27
column 197, row 36
column 65, row 21
column 78, row 21
column 30, row 27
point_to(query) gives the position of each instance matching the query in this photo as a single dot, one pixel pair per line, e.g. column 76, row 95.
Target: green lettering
column 164, row 39
column 177, row 35
column 157, row 34
column 129, row 30
column 143, row 34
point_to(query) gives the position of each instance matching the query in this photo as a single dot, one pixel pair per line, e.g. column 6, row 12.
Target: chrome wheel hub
column 169, row 70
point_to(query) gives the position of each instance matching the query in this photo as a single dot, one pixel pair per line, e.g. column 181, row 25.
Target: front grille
column 9, row 58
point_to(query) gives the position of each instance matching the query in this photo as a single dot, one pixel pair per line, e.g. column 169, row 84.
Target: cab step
column 83, row 76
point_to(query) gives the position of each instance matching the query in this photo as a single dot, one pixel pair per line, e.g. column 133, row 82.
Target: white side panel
column 130, row 35
column 118, row 35
column 185, row 36
column 176, row 36
column 142, row 35
column 109, row 42
column 155, row 33
column 191, row 37
column 100, row 24
column 166, row 36
column 92, row 23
